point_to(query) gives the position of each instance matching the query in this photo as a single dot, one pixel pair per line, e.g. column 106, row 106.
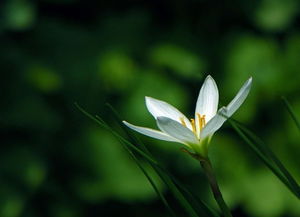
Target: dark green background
column 55, row 162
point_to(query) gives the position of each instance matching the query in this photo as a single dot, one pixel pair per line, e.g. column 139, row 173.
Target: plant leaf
column 291, row 112
column 267, row 156
column 160, row 194
column 205, row 210
column 125, row 146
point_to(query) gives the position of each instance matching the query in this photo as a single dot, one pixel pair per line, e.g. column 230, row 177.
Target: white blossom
column 195, row 133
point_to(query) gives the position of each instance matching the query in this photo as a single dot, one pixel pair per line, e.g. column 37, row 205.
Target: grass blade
column 150, row 160
column 160, row 195
column 291, row 112
column 102, row 123
column 273, row 157
column 267, row 156
column 125, row 146
column 159, row 169
column 202, row 208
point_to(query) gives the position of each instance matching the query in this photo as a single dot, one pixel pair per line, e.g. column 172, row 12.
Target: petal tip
column 149, row 99
column 209, row 78
column 248, row 83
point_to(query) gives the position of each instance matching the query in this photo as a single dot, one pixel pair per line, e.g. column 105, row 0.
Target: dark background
column 54, row 162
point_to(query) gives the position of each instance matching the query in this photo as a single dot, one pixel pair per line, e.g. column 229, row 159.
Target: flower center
column 200, row 119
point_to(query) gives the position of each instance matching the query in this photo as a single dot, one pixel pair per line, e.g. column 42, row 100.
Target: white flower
column 195, row 133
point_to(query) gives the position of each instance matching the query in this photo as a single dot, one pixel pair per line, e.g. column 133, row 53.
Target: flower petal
column 239, row 98
column 176, row 130
column 207, row 102
column 160, row 108
column 225, row 112
column 151, row 132
column 215, row 123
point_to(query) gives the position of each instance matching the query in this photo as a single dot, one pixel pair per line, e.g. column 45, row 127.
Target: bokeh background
column 54, row 162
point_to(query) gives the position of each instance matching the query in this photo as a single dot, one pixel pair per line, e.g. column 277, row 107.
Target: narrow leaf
column 291, row 112
column 125, row 146
column 160, row 170
column 267, row 156
column 160, row 194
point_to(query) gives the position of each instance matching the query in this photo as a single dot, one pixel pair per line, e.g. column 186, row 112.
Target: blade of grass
column 270, row 154
column 267, row 156
column 132, row 137
column 125, row 146
column 102, row 123
column 180, row 192
column 291, row 112
column 201, row 206
column 160, row 195
column 177, row 193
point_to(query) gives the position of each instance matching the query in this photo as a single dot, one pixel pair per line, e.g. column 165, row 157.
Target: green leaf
column 267, row 156
column 127, row 148
column 99, row 121
column 291, row 112
column 163, row 174
column 160, row 195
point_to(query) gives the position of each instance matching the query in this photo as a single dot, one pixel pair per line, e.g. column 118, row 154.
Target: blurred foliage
column 55, row 162
column 180, row 61
column 19, row 15
column 275, row 15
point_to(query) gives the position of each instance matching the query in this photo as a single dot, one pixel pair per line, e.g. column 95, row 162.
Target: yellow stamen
column 182, row 121
column 193, row 125
column 201, row 120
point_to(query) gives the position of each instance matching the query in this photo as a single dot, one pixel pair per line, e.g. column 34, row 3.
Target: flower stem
column 208, row 170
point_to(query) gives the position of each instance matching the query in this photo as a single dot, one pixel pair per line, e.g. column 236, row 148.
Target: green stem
column 208, row 170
